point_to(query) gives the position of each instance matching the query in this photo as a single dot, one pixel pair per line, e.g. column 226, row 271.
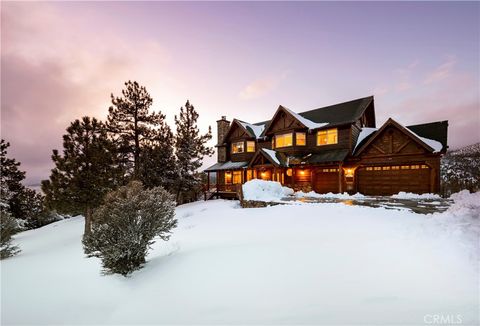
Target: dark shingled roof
column 336, row 155
column 337, row 114
column 434, row 130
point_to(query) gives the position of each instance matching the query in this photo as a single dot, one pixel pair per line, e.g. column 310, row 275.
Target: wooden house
column 337, row 148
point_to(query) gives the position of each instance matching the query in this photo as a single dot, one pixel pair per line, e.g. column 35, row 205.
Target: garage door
column 391, row 179
column 326, row 180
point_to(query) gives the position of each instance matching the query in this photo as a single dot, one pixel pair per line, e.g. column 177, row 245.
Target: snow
column 272, row 154
column 436, row 145
column 262, row 190
column 364, row 133
column 409, row 195
column 257, row 129
column 306, row 122
column 287, row 264
column 313, row 194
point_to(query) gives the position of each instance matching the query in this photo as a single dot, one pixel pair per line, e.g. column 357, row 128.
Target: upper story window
column 250, row 146
column 238, row 147
column 284, row 140
column 327, row 137
column 300, row 139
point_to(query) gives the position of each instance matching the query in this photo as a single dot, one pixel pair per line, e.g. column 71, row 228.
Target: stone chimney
column 222, row 128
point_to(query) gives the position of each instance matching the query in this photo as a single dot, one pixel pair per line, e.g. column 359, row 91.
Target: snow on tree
column 125, row 226
column 85, row 172
column 11, row 179
column 190, row 148
column 8, row 227
column 143, row 137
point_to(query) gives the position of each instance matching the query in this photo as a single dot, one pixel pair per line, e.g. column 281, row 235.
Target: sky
column 62, row 60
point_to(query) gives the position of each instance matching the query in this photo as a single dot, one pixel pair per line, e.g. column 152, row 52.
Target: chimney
column 222, row 128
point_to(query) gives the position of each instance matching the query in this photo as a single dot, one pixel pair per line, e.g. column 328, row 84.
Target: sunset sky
column 60, row 61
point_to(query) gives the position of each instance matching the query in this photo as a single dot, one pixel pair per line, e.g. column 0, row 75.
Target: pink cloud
column 442, row 71
column 261, row 86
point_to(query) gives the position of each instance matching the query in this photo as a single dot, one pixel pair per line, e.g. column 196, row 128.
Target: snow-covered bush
column 262, row 190
column 8, row 227
column 125, row 225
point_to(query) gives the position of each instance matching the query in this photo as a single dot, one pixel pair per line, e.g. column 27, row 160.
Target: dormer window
column 284, row 140
column 250, row 146
column 300, row 139
column 327, row 137
column 238, row 147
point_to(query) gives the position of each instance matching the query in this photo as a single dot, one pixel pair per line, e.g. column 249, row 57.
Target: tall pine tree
column 144, row 138
column 11, row 179
column 85, row 172
column 190, row 148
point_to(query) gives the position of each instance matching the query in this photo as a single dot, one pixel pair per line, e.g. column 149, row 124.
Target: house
column 337, row 148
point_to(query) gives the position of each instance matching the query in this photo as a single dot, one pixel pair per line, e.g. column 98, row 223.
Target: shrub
column 125, row 225
column 8, row 227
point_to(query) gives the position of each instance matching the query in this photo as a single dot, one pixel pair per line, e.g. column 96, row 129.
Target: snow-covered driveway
column 290, row 264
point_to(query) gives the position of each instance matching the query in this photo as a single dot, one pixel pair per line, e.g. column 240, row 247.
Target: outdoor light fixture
column 289, row 172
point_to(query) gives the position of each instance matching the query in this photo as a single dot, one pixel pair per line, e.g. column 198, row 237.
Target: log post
column 340, row 177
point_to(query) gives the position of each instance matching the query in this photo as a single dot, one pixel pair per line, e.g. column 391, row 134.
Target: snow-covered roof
column 364, row 133
column 307, row 123
column 255, row 129
column 436, row 145
column 272, row 154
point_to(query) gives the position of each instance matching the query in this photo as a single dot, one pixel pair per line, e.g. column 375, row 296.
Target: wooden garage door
column 326, row 180
column 391, row 179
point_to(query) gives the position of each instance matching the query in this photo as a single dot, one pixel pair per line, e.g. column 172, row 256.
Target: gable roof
column 276, row 158
column 429, row 144
column 332, row 115
column 253, row 130
column 434, row 130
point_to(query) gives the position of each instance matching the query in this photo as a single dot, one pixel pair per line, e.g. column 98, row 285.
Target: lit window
column 424, row 166
column 237, row 177
column 385, row 168
column 283, row 140
column 377, row 168
column 405, row 167
column 369, row 168
column 228, row 177
column 300, row 139
column 327, row 137
column 250, row 146
column 249, row 175
column 237, row 147
column 395, row 167
column 415, row 167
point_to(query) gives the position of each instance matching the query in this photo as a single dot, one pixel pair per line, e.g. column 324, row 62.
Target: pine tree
column 8, row 224
column 142, row 136
column 11, row 179
column 85, row 172
column 125, row 226
column 190, row 148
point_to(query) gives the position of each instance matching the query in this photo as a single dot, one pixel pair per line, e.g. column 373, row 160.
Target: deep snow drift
column 287, row 264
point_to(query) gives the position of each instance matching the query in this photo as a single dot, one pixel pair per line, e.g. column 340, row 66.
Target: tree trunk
column 88, row 220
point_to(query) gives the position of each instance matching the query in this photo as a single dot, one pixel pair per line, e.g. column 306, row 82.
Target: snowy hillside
column 460, row 169
column 287, row 264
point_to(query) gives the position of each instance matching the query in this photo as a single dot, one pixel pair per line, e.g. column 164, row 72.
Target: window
column 385, row 168
column 237, row 177
column 424, row 166
column 395, row 167
column 228, row 177
column 377, row 168
column 249, row 175
column 300, row 139
column 415, row 167
column 405, row 167
column 237, row 147
column 284, row 140
column 369, row 168
column 250, row 146
column 327, row 137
